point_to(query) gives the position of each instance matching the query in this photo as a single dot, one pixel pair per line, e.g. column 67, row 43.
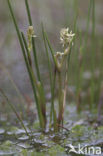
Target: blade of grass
column 34, row 83
column 80, row 70
column 65, row 90
column 39, row 77
column 50, row 71
column 26, row 47
column 34, row 53
column 93, row 18
column 83, row 49
column 52, row 84
column 93, row 56
column 60, row 97
column 42, row 102
column 47, row 53
column 16, row 26
column 53, row 111
column 51, row 49
column 34, row 49
column 84, row 46
column 88, row 22
column 35, row 59
column 75, row 15
column 28, row 12
column 14, row 110
column 53, row 114
column 27, row 65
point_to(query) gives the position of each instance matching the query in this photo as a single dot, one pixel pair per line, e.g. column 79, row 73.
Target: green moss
column 13, row 129
column 36, row 126
column 31, row 153
column 56, row 150
column 78, row 130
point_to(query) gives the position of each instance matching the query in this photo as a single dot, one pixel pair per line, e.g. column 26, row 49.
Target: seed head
column 66, row 37
column 30, row 34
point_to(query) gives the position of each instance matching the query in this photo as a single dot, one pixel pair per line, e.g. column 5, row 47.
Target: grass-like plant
column 61, row 64
column 82, row 56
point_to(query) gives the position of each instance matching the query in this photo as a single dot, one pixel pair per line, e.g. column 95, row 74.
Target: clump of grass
column 61, row 62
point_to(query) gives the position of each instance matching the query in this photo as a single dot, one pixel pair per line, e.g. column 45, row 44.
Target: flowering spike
column 65, row 37
column 30, row 34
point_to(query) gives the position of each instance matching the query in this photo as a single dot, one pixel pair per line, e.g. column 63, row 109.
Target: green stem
column 35, row 59
column 26, row 47
column 53, row 112
column 65, row 90
column 52, row 82
column 51, row 50
column 34, row 83
column 13, row 108
column 32, row 75
column 88, row 22
column 34, row 51
column 28, row 12
column 93, row 56
column 43, row 101
column 27, row 64
column 28, row 54
column 59, row 95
